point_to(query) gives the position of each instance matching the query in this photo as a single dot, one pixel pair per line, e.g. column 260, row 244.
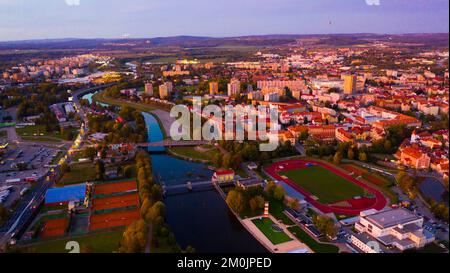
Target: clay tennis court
column 114, row 219
column 54, row 228
column 350, row 206
column 115, row 202
column 115, row 187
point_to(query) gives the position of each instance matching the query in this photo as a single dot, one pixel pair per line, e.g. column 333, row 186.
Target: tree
column 236, row 201
column 387, row 146
column 155, row 211
column 227, row 160
column 128, row 171
column 100, row 170
column 4, row 214
column 270, row 188
column 89, row 152
column 217, row 160
column 304, row 135
column 65, row 168
column 337, row 158
column 278, row 193
column 236, row 160
column 257, row 203
column 294, row 204
column 326, row 225
column 362, row 157
column 350, row 154
column 134, row 238
column 407, row 184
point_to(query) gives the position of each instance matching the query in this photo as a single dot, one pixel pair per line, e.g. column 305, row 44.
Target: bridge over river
column 196, row 186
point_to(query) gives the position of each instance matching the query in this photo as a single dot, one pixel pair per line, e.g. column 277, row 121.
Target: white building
column 399, row 228
column 234, row 87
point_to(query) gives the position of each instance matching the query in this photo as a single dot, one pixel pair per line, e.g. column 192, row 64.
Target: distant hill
column 439, row 39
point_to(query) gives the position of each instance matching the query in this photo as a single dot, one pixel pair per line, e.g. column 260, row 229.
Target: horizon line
column 218, row 37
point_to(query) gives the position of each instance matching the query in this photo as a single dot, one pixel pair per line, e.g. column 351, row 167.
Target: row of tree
column 152, row 214
column 439, row 209
column 407, row 183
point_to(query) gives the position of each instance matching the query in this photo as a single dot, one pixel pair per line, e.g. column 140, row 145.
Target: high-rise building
column 234, row 87
column 169, row 86
column 213, row 88
column 165, row 90
column 148, row 87
column 350, row 84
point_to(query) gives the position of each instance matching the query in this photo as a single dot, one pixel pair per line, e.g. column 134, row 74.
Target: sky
column 48, row 19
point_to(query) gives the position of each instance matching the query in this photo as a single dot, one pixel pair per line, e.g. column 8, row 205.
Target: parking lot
column 22, row 165
column 15, row 192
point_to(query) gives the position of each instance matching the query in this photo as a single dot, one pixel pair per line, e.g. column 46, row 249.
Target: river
column 199, row 219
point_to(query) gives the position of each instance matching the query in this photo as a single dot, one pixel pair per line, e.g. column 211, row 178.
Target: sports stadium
column 327, row 188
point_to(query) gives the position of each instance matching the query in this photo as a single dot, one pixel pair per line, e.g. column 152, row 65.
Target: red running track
column 356, row 205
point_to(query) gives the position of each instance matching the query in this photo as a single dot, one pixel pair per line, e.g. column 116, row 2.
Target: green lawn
column 101, row 97
column 276, row 237
column 95, row 243
column 429, row 248
column 276, row 209
column 327, row 186
column 79, row 173
column 311, row 243
column 193, row 153
column 37, row 132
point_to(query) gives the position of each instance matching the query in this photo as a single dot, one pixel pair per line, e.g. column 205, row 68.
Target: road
column 23, row 212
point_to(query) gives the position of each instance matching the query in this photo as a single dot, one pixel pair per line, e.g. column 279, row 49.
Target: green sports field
column 106, row 242
column 327, row 186
column 265, row 226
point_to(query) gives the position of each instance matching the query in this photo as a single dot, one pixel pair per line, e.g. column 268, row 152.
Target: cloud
column 73, row 2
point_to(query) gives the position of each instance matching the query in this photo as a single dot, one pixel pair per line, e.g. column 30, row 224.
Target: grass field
column 327, row 186
column 311, row 243
column 79, row 173
column 100, row 97
column 379, row 181
column 265, row 226
column 38, row 133
column 96, row 243
column 429, row 248
column 276, row 209
column 192, row 152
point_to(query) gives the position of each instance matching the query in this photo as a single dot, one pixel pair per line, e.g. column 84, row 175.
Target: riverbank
column 161, row 115
column 196, row 154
